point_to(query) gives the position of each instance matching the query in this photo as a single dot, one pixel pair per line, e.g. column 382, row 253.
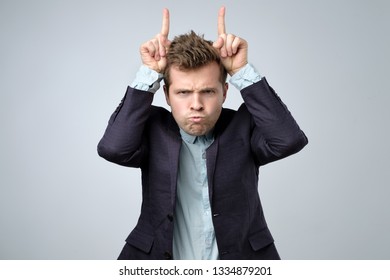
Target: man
column 199, row 162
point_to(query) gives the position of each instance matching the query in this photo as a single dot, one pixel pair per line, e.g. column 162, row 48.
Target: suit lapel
column 212, row 152
column 174, row 145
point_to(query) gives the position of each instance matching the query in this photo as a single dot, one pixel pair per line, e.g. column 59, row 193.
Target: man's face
column 196, row 98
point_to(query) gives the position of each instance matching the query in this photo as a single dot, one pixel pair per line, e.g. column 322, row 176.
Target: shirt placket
column 208, row 228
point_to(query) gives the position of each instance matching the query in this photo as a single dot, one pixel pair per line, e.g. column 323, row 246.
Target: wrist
column 245, row 77
column 238, row 69
column 147, row 79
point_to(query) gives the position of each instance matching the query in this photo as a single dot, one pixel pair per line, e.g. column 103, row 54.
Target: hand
column 232, row 49
column 153, row 52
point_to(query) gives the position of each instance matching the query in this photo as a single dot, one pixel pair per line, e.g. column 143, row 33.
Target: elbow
column 106, row 152
column 280, row 148
column 119, row 156
column 109, row 152
column 294, row 144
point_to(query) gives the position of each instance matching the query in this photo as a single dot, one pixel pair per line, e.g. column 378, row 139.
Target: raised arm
column 123, row 142
column 275, row 133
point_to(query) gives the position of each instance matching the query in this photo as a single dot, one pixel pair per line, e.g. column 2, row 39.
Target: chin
column 194, row 132
column 197, row 131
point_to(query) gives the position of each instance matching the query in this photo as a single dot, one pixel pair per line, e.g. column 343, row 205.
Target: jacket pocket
column 260, row 239
column 140, row 240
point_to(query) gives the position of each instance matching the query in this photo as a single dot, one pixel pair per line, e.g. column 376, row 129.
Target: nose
column 196, row 102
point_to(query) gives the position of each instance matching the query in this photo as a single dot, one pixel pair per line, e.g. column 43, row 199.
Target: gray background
column 64, row 66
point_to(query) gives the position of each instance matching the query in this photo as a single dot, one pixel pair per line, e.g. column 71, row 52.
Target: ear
column 166, row 95
column 225, row 89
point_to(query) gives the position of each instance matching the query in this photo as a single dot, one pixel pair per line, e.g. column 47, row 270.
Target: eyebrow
column 208, row 89
column 191, row 90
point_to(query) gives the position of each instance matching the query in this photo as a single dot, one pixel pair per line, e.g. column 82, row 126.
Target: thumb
column 218, row 44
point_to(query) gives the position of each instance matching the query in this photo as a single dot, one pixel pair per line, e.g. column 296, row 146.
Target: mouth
column 196, row 119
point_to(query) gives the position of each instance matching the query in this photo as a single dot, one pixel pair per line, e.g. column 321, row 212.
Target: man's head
column 195, row 83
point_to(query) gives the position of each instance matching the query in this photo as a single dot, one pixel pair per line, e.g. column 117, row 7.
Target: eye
column 209, row 91
column 181, row 92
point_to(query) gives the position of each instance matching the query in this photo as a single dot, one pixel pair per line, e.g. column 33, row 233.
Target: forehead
column 207, row 75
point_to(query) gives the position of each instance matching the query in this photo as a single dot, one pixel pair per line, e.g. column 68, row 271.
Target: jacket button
column 170, row 217
column 216, row 215
column 168, row 255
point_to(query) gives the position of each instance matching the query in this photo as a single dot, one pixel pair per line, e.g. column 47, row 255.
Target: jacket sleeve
column 122, row 142
column 275, row 133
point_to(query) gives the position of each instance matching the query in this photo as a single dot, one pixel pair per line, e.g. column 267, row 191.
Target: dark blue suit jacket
column 262, row 130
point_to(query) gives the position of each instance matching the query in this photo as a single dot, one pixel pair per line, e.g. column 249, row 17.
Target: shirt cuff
column 247, row 76
column 147, row 79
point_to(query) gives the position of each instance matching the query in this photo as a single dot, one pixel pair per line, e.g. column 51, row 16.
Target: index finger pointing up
column 221, row 21
column 165, row 23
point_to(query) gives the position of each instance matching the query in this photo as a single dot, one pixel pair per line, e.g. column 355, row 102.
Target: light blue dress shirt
column 193, row 229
